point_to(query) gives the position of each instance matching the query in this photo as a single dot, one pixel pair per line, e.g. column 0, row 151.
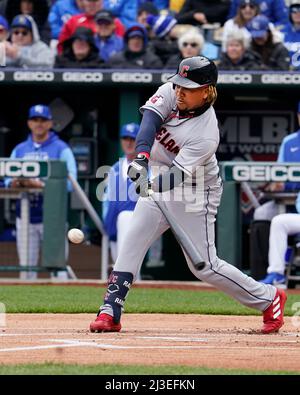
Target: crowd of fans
column 157, row 34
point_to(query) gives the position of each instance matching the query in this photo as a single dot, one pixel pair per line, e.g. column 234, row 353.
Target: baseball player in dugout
column 42, row 144
column 178, row 139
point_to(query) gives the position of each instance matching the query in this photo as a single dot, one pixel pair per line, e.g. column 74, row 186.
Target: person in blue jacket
column 121, row 196
column 291, row 31
column 289, row 151
column 60, row 12
column 41, row 144
column 275, row 10
column 106, row 40
column 125, row 10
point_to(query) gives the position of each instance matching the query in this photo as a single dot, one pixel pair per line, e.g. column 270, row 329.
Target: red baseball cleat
column 105, row 323
column 273, row 316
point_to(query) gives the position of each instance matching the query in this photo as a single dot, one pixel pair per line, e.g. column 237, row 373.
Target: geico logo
column 2, row 76
column 19, row 169
column 280, row 78
column 266, row 173
column 165, row 76
column 235, row 78
column 82, row 77
column 33, row 76
column 131, row 77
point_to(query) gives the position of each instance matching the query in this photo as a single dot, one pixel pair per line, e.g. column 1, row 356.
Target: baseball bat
column 180, row 235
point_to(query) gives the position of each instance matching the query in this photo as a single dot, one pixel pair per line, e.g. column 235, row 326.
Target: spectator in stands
column 4, row 29
column 274, row 10
column 163, row 41
column 125, row 10
column 87, row 19
column 80, row 51
column 282, row 225
column 145, row 9
column 107, row 41
column 120, row 192
column 60, row 12
column 268, row 44
column 42, row 143
column 38, row 9
column 247, row 10
column 238, row 56
column 291, row 32
column 135, row 55
column 189, row 44
column 26, row 49
column 199, row 12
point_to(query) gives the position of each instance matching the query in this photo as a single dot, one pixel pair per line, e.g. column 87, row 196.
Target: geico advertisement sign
column 131, row 77
column 19, row 169
column 266, row 173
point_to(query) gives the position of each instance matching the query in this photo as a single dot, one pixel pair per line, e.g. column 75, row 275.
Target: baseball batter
column 178, row 138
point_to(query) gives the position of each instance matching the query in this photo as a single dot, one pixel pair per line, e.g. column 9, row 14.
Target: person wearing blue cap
column 41, row 144
column 135, row 55
column 26, row 48
column 163, row 40
column 284, row 225
column 268, row 44
column 291, row 31
column 120, row 191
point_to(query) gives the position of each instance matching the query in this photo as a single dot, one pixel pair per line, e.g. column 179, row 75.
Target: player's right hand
column 138, row 168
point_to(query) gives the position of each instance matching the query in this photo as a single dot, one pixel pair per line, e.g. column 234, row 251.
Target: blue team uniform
column 52, row 148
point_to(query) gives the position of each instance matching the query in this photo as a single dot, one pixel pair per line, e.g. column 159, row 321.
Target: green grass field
column 60, row 369
column 84, row 299
column 81, row 299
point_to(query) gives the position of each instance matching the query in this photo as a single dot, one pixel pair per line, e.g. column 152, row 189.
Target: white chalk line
column 67, row 343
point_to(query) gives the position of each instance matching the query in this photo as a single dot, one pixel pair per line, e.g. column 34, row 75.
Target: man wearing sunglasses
column 291, row 32
column 275, row 10
column 26, row 49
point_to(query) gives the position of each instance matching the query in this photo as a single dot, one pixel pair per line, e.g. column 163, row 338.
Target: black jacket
column 274, row 56
column 250, row 61
column 174, row 61
column 164, row 48
column 215, row 11
column 129, row 60
column 68, row 60
column 40, row 15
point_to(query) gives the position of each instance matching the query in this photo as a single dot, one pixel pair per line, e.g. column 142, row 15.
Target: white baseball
column 75, row 236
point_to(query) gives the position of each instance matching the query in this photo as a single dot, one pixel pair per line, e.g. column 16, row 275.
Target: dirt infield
column 192, row 340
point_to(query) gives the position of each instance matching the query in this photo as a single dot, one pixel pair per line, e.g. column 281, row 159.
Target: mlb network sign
column 262, row 171
column 23, row 168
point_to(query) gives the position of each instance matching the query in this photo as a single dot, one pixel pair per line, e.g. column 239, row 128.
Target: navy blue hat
column 129, row 130
column 40, row 111
column 299, row 107
column 258, row 26
column 21, row 21
column 4, row 23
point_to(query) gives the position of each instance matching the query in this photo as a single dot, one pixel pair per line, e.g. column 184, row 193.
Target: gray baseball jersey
column 188, row 142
